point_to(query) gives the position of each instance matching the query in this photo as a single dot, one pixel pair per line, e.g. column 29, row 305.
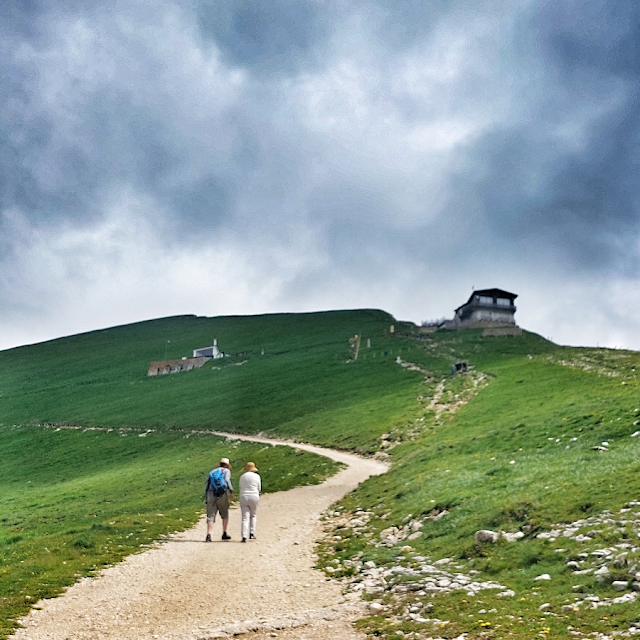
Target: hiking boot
column 244, row 539
column 208, row 538
column 226, row 536
column 251, row 536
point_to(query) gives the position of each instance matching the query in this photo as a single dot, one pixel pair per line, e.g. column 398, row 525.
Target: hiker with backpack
column 217, row 489
column 250, row 487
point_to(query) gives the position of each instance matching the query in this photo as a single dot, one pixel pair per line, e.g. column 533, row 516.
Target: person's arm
column 227, row 477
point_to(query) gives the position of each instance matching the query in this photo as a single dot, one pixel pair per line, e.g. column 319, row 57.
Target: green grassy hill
column 507, row 446
column 100, row 378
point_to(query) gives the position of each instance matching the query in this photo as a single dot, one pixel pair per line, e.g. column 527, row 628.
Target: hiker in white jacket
column 250, row 487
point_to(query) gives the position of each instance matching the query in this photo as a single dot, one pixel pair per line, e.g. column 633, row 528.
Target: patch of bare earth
column 438, row 404
column 187, row 589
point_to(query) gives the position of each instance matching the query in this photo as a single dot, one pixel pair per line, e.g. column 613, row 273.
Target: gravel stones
column 289, row 622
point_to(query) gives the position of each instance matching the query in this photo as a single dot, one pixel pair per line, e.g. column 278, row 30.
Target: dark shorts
column 217, row 505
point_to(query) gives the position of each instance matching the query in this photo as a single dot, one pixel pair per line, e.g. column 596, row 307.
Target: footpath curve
column 185, row 589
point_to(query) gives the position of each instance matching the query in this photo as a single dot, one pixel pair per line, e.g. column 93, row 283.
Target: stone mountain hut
column 487, row 305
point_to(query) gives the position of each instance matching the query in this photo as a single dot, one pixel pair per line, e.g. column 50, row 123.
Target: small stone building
column 209, row 352
column 493, row 306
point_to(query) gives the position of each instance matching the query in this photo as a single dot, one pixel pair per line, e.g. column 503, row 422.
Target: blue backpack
column 217, row 483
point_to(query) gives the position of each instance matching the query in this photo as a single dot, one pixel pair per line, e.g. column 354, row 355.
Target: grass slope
column 73, row 501
column 507, row 446
column 99, row 378
column 517, row 457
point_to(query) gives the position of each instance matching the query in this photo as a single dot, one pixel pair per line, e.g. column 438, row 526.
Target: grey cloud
column 276, row 35
column 600, row 35
column 203, row 205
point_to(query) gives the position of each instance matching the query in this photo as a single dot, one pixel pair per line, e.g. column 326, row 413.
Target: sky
column 259, row 156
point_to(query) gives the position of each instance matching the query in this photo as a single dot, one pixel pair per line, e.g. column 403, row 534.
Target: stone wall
column 502, row 331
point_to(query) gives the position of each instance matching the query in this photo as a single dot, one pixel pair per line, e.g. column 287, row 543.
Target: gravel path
column 185, row 589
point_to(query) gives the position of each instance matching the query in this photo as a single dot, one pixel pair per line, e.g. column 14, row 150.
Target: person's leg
column 223, row 508
column 244, row 528
column 211, row 516
column 253, row 509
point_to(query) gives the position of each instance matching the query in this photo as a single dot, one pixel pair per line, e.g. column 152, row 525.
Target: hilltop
column 534, row 440
column 292, row 366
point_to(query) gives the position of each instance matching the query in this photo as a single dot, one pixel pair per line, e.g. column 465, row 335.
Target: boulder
column 485, row 535
column 621, row 561
column 375, row 608
column 620, row 585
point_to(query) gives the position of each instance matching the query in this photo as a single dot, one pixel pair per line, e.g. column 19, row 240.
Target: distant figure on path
column 250, row 487
column 217, row 489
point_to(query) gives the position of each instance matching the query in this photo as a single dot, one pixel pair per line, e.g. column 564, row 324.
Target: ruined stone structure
column 163, row 367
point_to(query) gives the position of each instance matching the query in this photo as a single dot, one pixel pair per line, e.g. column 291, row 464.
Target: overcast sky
column 256, row 156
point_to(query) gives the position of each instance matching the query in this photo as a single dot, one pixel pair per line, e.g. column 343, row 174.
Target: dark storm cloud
column 319, row 140
column 274, row 34
column 538, row 185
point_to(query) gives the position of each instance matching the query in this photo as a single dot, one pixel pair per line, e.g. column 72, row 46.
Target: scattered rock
column 512, row 537
column 544, row 576
column 485, row 535
column 621, row 561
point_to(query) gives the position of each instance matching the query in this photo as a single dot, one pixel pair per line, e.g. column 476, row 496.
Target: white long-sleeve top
column 250, row 484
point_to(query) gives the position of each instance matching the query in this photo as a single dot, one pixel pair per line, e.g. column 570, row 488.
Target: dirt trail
column 185, row 589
